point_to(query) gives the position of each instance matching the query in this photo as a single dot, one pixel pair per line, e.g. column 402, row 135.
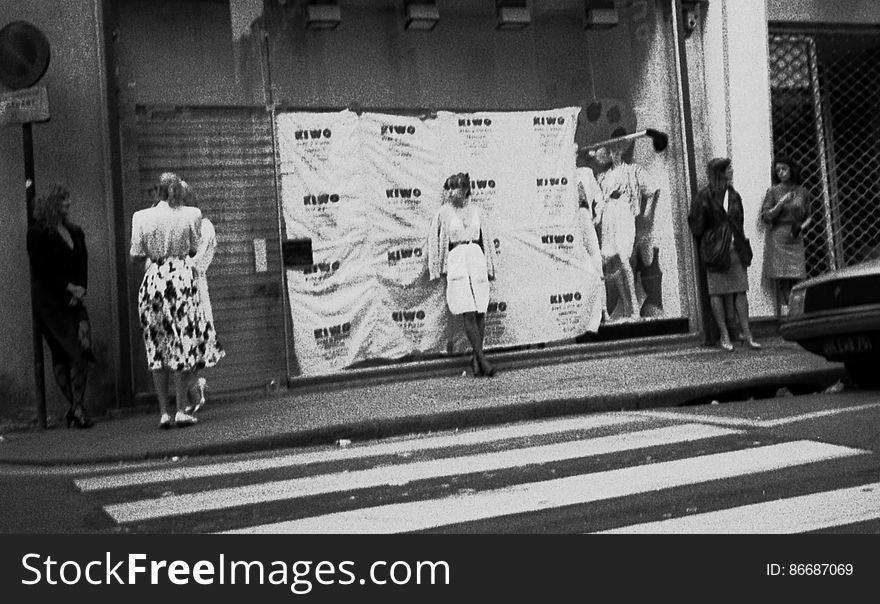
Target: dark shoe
column 80, row 420
column 476, row 371
column 488, row 370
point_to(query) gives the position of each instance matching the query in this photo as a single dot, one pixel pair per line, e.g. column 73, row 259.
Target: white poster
column 321, row 183
column 369, row 296
column 332, row 328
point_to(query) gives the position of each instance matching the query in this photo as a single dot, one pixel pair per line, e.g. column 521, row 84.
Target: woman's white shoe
column 201, row 384
column 184, row 419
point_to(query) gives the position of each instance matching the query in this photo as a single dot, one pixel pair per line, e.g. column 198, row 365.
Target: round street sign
column 24, row 55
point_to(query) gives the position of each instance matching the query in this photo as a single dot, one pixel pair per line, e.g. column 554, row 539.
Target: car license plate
column 848, row 345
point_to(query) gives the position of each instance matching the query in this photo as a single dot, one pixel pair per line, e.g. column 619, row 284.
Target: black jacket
column 707, row 212
column 54, row 264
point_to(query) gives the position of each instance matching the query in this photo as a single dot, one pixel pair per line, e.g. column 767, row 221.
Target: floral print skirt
column 177, row 335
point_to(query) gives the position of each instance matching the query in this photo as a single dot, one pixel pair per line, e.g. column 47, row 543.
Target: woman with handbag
column 716, row 220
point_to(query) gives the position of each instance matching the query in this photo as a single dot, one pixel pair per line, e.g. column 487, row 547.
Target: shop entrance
column 227, row 157
column 824, row 86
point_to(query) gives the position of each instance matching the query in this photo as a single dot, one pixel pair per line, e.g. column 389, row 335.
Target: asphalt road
column 787, row 464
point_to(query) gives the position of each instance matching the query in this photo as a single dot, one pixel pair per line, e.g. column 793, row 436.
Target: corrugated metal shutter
column 227, row 157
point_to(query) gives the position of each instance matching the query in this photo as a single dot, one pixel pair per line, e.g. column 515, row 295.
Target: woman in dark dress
column 59, row 267
column 786, row 211
column 718, row 208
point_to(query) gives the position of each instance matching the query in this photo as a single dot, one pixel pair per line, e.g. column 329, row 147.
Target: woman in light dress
column 201, row 262
column 460, row 248
column 177, row 337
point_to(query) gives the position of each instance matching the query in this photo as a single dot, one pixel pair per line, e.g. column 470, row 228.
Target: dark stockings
column 475, row 330
column 71, row 379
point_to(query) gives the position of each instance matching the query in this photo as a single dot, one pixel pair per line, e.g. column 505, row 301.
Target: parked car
column 837, row 316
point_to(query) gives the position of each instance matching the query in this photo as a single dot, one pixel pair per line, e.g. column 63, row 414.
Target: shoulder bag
column 715, row 247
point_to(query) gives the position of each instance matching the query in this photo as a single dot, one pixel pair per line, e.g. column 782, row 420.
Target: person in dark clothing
column 59, row 268
column 717, row 212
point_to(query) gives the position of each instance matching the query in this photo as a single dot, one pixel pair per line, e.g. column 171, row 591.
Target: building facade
column 236, row 96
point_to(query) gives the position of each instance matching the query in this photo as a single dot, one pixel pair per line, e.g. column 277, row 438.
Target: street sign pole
column 24, row 59
column 39, row 363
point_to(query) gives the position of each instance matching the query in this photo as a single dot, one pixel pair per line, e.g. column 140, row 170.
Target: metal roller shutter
column 227, row 157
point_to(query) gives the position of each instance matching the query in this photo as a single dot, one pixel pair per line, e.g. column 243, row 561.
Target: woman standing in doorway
column 786, row 212
column 459, row 247
column 716, row 219
column 59, row 266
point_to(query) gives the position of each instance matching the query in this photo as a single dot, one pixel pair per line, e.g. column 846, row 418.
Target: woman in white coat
column 460, row 248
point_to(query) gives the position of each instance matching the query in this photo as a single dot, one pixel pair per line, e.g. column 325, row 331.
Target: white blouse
column 163, row 232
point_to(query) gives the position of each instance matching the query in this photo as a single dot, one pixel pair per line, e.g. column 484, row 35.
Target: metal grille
column 825, row 90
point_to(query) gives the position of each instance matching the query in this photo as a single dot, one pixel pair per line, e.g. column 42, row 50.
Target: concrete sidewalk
column 578, row 382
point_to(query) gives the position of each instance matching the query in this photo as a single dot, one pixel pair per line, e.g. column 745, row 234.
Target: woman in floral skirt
column 177, row 337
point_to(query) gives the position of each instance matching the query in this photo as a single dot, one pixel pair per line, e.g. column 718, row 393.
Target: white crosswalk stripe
column 549, row 494
column 404, row 473
column 791, row 515
column 394, row 447
column 451, row 481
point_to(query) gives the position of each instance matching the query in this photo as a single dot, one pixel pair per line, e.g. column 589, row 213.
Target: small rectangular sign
column 23, row 106
column 261, row 264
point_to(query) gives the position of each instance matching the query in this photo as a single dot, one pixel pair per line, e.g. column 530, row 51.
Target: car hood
column 869, row 267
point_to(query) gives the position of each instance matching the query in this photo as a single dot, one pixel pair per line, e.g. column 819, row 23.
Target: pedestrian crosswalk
column 602, row 473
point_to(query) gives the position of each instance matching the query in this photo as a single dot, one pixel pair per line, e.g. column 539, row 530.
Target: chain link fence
column 825, row 91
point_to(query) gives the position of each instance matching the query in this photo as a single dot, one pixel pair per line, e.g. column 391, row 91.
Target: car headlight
column 796, row 302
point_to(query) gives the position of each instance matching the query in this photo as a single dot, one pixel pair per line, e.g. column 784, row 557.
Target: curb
column 532, row 409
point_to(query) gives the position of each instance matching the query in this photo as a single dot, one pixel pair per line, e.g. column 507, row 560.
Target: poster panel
column 402, row 182
column 369, row 296
column 553, row 293
column 521, row 163
column 332, row 327
column 321, row 184
column 491, row 148
column 410, row 320
column 336, row 265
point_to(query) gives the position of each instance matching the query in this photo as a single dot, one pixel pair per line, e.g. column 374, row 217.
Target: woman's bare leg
column 742, row 310
column 717, row 304
column 160, row 383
